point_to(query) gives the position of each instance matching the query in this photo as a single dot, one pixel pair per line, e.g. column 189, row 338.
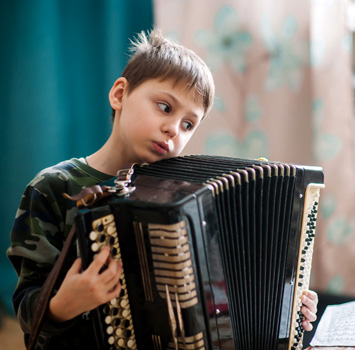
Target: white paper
column 337, row 326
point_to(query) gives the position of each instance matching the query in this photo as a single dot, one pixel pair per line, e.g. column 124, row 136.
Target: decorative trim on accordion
column 173, row 267
column 192, row 342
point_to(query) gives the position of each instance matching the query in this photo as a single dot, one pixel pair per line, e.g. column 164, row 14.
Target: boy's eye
column 164, row 107
column 187, row 125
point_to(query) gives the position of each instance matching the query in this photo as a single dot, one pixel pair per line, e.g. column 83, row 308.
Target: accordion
column 216, row 253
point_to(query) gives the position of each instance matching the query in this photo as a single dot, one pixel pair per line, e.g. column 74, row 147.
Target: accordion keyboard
column 118, row 320
column 305, row 261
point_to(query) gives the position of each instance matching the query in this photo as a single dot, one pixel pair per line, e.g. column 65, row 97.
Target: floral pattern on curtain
column 283, row 91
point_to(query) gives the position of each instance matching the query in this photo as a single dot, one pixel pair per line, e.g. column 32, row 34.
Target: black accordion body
column 216, row 253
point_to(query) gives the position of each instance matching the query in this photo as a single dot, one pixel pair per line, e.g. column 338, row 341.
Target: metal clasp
column 122, row 182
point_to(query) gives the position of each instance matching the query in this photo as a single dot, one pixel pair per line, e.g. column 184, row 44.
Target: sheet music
column 337, row 326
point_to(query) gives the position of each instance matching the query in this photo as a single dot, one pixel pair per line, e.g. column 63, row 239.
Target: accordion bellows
column 216, row 253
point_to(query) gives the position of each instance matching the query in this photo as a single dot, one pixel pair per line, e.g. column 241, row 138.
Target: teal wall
column 58, row 61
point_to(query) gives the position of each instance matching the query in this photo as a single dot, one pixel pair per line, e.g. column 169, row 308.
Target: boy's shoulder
column 72, row 172
column 69, row 176
column 57, row 175
column 49, row 184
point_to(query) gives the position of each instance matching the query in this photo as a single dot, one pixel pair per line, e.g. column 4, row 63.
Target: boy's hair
column 163, row 59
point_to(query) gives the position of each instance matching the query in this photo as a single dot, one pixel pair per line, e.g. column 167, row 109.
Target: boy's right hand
column 82, row 291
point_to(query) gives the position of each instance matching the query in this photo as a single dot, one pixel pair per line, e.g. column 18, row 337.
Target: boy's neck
column 107, row 160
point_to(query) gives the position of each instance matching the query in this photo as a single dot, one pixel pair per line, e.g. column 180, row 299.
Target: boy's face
column 155, row 120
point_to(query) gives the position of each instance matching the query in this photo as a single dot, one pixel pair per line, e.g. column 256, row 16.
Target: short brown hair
column 157, row 57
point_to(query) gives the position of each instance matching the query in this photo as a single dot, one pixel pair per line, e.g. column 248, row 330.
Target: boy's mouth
column 161, row 147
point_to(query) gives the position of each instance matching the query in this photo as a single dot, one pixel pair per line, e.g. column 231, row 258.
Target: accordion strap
column 87, row 197
column 46, row 291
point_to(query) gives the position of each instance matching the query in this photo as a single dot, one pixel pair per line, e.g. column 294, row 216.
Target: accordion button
column 93, row 235
column 108, row 319
column 111, row 230
column 106, row 309
column 123, row 302
column 100, row 227
column 125, row 313
column 130, row 343
column 114, row 311
column 109, row 330
column 113, row 252
column 94, row 247
column 126, row 323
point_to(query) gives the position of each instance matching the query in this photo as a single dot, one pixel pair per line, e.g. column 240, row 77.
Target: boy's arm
column 37, row 238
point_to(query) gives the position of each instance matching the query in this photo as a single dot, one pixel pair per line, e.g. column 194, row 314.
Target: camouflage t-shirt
column 42, row 223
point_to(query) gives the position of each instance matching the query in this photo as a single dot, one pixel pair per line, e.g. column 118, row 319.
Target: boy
column 161, row 98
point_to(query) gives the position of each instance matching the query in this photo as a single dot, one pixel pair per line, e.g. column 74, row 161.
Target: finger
column 76, row 267
column 309, row 303
column 100, row 261
column 307, row 326
column 115, row 291
column 113, row 272
column 308, row 314
column 312, row 295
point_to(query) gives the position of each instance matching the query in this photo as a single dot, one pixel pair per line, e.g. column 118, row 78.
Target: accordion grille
column 173, row 266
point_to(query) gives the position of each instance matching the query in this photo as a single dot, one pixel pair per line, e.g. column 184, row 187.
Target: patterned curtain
column 284, row 91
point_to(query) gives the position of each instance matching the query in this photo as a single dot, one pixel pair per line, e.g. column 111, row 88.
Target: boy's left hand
column 309, row 309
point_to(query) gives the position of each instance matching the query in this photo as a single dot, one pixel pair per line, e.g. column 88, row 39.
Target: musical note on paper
column 337, row 326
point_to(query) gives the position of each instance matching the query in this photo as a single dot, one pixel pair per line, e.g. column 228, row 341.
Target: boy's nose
column 171, row 128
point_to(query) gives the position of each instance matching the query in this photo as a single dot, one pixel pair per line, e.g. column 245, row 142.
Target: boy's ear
column 116, row 93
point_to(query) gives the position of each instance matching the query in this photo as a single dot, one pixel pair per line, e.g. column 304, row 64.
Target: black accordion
column 216, row 253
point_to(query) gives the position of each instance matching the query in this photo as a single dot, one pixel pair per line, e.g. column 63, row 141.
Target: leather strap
column 46, row 291
column 87, row 197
